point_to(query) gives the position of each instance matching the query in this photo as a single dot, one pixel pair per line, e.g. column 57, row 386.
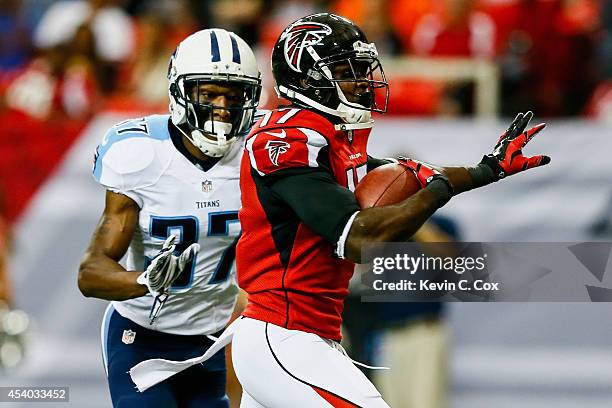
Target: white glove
column 166, row 267
column 163, row 271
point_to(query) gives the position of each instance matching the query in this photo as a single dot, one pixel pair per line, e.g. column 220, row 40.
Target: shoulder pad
column 133, row 154
column 294, row 118
column 281, row 148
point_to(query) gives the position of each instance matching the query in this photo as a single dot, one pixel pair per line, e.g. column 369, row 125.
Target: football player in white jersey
column 172, row 200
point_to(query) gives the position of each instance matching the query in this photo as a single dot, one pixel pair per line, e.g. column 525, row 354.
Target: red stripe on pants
column 336, row 401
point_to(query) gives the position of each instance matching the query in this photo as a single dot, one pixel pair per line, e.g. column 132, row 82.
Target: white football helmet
column 220, row 57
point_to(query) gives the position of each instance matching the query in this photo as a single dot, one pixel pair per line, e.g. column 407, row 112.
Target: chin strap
column 291, row 94
column 354, row 126
column 221, row 128
column 355, row 116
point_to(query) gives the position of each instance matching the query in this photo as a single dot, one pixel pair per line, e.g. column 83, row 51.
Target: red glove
column 430, row 178
column 423, row 172
column 507, row 157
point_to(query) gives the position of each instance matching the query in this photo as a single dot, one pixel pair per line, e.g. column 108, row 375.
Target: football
column 386, row 185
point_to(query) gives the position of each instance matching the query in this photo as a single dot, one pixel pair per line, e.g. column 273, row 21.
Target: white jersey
column 137, row 158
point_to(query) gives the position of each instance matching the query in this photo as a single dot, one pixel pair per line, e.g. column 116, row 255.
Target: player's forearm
column 467, row 178
column 104, row 278
column 391, row 223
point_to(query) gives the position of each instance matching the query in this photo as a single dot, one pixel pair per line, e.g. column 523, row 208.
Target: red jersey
column 296, row 179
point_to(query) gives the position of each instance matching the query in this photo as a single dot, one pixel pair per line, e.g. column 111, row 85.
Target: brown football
column 386, row 185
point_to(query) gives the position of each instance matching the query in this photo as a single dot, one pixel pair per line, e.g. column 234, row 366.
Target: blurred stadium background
column 458, row 69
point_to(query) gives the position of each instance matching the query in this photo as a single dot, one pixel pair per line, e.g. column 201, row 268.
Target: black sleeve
column 316, row 198
column 373, row 162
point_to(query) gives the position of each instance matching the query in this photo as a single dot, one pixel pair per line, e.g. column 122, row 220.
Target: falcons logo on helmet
column 300, row 36
column 275, row 148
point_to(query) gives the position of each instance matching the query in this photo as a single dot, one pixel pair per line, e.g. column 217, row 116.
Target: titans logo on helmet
column 275, row 148
column 300, row 36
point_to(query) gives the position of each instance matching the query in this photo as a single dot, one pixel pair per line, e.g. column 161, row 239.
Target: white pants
column 280, row 368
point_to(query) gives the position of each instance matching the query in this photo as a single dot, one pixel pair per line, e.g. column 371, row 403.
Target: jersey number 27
column 187, row 230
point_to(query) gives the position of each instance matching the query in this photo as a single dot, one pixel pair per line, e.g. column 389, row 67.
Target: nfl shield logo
column 128, row 336
column 207, row 186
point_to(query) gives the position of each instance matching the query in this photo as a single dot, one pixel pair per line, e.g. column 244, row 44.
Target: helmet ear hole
column 314, row 79
column 174, row 90
column 314, row 74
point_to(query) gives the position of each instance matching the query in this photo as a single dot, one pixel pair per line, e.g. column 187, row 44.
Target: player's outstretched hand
column 507, row 157
column 166, row 267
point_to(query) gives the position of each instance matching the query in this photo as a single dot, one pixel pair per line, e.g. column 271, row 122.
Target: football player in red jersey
column 302, row 229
